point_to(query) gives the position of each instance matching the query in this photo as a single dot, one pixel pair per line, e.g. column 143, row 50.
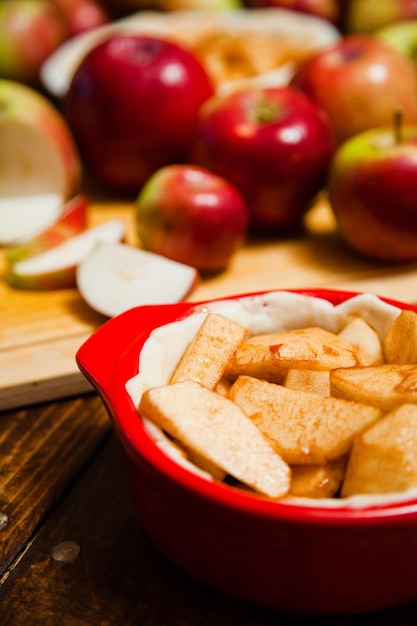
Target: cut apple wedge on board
column 116, row 277
column 70, row 222
column 56, row 268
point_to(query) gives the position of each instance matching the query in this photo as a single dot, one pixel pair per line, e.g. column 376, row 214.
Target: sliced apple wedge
column 56, row 268
column 40, row 167
column 116, row 277
column 24, row 217
column 71, row 221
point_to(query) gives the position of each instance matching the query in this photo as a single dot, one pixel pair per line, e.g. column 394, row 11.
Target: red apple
column 82, row 15
column 191, row 215
column 273, row 144
column 359, row 82
column 133, row 105
column 329, row 10
column 29, row 33
column 373, row 193
column 120, row 8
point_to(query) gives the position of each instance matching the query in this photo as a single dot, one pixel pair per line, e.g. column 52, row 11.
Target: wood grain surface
column 40, row 331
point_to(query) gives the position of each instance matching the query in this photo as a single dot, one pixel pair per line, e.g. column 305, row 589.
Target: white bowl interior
column 274, row 311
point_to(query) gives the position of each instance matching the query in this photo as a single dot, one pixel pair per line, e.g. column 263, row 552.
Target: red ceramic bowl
column 297, row 558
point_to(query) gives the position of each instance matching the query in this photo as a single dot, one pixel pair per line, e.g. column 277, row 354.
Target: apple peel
column 116, row 277
column 70, row 222
column 56, row 268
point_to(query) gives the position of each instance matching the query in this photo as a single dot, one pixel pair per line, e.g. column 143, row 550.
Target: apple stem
column 266, row 111
column 398, row 119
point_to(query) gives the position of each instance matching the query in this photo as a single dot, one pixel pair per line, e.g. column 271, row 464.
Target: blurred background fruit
column 367, row 16
column 329, row 10
column 29, row 33
column 133, row 105
column 360, row 82
column 40, row 167
column 82, row 15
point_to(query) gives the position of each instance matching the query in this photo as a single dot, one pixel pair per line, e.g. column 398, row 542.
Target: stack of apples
column 142, row 116
column 277, row 146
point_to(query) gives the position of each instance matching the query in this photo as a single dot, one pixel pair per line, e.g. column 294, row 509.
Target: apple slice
column 56, row 268
column 40, row 167
column 71, row 221
column 24, row 217
column 116, row 277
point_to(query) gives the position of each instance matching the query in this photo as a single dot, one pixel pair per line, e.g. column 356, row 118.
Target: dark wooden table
column 72, row 551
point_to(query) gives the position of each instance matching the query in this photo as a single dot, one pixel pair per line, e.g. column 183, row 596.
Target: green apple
column 116, row 277
column 56, row 268
column 40, row 168
column 29, row 33
column 368, row 16
column 402, row 36
column 71, row 221
column 373, row 189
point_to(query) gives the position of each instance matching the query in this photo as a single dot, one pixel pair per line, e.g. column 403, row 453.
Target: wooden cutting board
column 40, row 332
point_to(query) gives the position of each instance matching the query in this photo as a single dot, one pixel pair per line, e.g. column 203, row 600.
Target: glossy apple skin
column 191, row 215
column 273, row 144
column 373, row 193
column 132, row 105
column 359, row 82
column 29, row 33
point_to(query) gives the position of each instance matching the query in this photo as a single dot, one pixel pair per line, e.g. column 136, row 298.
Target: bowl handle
column 120, row 339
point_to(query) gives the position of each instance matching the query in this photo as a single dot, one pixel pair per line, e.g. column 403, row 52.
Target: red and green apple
column 372, row 191
column 30, row 32
column 359, row 82
column 273, row 144
column 193, row 216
